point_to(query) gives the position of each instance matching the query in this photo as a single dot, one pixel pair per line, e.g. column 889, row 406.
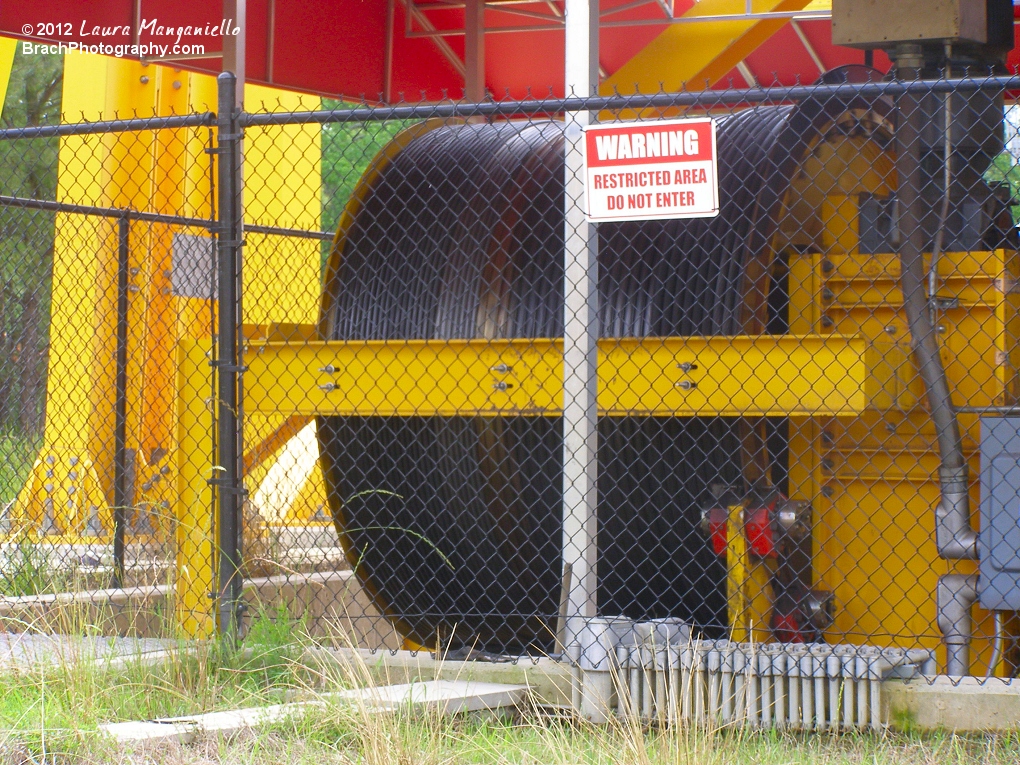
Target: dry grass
column 410, row 740
column 50, row 713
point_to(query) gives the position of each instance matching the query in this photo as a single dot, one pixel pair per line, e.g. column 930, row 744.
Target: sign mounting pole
column 580, row 336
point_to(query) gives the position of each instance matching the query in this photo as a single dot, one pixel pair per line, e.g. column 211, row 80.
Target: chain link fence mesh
column 773, row 470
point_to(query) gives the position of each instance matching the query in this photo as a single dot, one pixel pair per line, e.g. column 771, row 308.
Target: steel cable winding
column 460, row 235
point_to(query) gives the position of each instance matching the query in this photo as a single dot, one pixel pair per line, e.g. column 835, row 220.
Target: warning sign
column 651, row 170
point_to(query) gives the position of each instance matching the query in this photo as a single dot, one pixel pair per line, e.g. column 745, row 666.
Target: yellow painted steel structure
column 7, row 48
column 695, row 56
column 750, row 376
column 69, row 493
column 766, row 375
column 862, row 450
column 281, row 277
column 873, row 479
column 740, row 578
column 196, row 553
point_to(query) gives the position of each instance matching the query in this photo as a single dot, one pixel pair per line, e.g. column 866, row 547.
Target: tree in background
column 347, row 150
column 28, row 168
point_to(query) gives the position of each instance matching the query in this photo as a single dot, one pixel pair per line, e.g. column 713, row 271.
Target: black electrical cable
column 453, row 523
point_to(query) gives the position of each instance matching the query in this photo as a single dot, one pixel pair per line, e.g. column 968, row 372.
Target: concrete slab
column 549, row 680
column 27, row 649
column 331, row 603
column 953, row 703
column 445, row 697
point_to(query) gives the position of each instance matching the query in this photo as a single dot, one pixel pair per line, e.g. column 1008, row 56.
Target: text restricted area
column 646, row 170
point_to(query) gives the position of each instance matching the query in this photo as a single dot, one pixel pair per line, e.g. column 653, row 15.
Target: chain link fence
column 783, row 426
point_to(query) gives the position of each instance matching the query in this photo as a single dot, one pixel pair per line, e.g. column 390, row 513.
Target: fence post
column 120, row 492
column 580, row 341
column 6, row 345
column 228, row 469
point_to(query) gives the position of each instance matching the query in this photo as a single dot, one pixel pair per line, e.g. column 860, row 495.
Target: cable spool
column 453, row 523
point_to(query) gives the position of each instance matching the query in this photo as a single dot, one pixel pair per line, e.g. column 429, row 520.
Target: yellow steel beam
column 819, row 375
column 738, row 567
column 696, row 56
column 196, row 553
column 8, row 45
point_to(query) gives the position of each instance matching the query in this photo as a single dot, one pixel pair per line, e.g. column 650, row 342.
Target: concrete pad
column 185, row 729
column 442, row 696
column 550, row 681
column 953, row 703
column 27, row 649
column 330, row 602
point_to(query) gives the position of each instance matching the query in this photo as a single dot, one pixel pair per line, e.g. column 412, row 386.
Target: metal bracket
column 223, row 485
column 228, row 367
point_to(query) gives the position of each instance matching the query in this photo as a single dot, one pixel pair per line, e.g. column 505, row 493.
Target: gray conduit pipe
column 956, row 594
column 954, row 537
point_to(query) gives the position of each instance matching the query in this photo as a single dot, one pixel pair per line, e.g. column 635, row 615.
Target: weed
column 17, row 454
column 49, row 713
column 26, row 570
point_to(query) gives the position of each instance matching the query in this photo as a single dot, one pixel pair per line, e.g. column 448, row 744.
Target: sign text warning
column 649, row 170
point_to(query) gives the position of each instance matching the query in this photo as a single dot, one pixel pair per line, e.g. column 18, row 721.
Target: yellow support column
column 106, row 170
column 164, row 171
column 83, row 247
column 696, row 56
column 128, row 182
column 738, row 576
column 7, row 47
column 196, row 554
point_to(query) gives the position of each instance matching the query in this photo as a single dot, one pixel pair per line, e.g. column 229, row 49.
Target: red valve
column 714, row 522
column 799, row 614
column 768, row 520
column 758, row 528
column 786, row 627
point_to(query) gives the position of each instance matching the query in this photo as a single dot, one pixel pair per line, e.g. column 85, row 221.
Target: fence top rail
column 524, row 107
column 203, row 119
column 709, row 98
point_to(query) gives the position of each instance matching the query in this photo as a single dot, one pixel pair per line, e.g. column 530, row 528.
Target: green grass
column 56, row 707
column 24, row 568
column 50, row 714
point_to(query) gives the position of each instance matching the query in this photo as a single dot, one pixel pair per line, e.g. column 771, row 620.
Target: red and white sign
column 651, row 170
